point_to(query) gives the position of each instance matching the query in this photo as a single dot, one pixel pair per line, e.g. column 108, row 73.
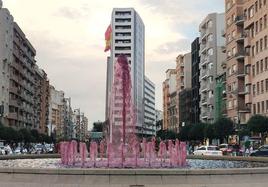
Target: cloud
column 178, row 46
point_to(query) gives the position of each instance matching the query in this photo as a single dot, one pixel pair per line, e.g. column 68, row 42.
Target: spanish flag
column 108, row 38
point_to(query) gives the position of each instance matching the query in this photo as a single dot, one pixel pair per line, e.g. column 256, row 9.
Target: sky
column 68, row 36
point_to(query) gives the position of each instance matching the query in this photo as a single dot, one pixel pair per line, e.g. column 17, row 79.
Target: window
column 265, row 42
column 260, row 4
column 256, row 6
column 261, row 62
column 256, row 27
column 210, row 24
column 266, row 63
column 228, row 5
column 254, row 108
column 251, row 11
column 257, row 47
column 266, row 105
column 266, row 85
column 262, row 88
column 258, row 88
column 234, row 51
column 261, row 44
column 235, row 103
column 262, row 106
column 210, row 51
column 229, row 21
column 210, row 37
column 253, row 50
column 233, row 34
column 230, row 104
column 260, row 24
column 265, row 21
column 233, row 68
column 201, row 148
column 257, row 68
column 253, row 70
column 258, row 107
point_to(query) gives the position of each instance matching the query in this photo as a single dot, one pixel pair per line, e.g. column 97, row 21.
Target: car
column 262, row 151
column 2, row 150
column 231, row 149
column 208, row 151
column 17, row 151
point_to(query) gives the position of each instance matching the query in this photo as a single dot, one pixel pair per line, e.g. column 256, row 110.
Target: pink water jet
column 122, row 148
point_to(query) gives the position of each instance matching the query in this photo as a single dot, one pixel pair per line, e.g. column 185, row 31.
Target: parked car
column 231, row 149
column 261, row 151
column 17, row 151
column 2, row 150
column 208, row 151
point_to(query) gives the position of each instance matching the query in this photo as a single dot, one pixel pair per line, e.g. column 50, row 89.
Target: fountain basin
column 134, row 177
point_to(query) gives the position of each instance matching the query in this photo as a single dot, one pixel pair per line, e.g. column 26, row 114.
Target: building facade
column 183, row 81
column 128, row 39
column 6, row 58
column 169, row 87
column 211, row 55
column 185, row 103
column 41, row 98
column 195, row 108
column 149, row 127
column 256, row 57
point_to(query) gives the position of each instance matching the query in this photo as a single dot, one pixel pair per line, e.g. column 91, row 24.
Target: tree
column 258, row 124
column 209, row 131
column 223, row 128
column 159, row 124
column 35, row 135
column 27, row 137
column 166, row 135
column 97, row 127
column 185, row 132
column 196, row 132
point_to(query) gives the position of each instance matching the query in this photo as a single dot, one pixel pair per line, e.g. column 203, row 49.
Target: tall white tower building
column 128, row 39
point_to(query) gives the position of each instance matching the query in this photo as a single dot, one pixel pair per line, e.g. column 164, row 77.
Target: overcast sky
column 68, row 36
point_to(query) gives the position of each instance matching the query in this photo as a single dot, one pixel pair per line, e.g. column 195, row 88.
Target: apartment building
column 195, row 108
column 211, row 55
column 56, row 112
column 128, row 39
column 169, row 111
column 41, row 100
column 183, row 81
column 149, row 127
column 6, row 58
column 256, row 57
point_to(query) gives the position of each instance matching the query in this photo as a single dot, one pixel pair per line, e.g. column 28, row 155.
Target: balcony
column 223, row 49
column 224, row 64
column 204, row 88
column 13, row 102
column 223, row 33
column 14, row 77
column 13, row 116
column 240, row 55
column 240, row 37
column 204, row 74
column 241, row 73
column 13, row 89
column 242, row 91
column 204, row 114
column 239, row 20
column 204, row 101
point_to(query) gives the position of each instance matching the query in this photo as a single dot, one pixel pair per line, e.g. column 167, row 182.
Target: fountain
column 122, row 159
column 122, row 148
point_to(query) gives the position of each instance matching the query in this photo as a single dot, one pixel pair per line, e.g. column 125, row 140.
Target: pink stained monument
column 122, row 148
